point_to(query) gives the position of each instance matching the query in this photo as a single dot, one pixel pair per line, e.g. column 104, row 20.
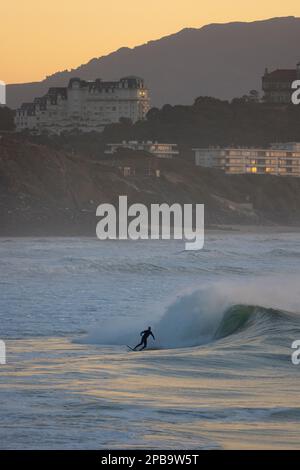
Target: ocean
column 218, row 376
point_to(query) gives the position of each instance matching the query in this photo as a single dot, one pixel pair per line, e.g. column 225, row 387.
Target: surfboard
column 146, row 349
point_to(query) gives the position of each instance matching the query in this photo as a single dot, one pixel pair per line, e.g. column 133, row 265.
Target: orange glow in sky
column 40, row 37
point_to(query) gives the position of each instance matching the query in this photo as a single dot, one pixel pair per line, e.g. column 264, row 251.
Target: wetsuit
column 145, row 335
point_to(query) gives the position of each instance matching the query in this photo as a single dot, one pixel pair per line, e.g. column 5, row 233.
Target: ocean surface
column 218, row 376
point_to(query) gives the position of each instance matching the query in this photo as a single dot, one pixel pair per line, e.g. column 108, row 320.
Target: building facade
column 277, row 85
column 279, row 159
column 160, row 150
column 85, row 106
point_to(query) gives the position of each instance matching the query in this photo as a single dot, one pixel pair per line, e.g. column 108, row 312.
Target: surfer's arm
column 152, row 336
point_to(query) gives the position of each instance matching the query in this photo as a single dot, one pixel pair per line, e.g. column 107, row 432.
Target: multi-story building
column 85, row 105
column 2, row 94
column 279, row 159
column 160, row 150
column 277, row 85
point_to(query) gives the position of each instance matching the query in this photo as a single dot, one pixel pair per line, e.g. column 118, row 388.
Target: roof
column 57, row 91
column 283, row 75
column 131, row 77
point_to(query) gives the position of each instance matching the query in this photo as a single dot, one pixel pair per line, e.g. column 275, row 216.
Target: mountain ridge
column 193, row 56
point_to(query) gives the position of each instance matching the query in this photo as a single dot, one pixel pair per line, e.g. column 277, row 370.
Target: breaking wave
column 204, row 316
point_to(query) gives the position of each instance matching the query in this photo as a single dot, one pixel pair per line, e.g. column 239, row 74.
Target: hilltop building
column 277, row 85
column 137, row 164
column 279, row 159
column 85, row 105
column 160, row 150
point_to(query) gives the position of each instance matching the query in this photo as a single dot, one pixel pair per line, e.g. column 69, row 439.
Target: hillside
column 213, row 122
column 49, row 192
column 221, row 60
column 208, row 122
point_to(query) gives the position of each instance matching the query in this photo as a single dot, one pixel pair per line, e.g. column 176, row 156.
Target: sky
column 41, row 37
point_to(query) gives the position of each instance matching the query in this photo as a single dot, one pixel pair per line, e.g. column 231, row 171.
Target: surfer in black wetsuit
column 145, row 335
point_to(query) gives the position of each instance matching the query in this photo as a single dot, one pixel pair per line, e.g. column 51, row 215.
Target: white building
column 278, row 159
column 85, row 105
column 160, row 150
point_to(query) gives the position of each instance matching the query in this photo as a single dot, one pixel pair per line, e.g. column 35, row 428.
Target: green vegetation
column 208, row 122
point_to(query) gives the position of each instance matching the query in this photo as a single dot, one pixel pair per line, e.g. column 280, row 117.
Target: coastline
column 222, row 228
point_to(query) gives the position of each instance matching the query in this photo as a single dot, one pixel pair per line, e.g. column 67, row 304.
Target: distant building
column 277, row 85
column 135, row 170
column 279, row 159
column 160, row 150
column 85, row 105
column 137, row 164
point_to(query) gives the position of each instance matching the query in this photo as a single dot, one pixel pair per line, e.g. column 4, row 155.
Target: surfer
column 145, row 335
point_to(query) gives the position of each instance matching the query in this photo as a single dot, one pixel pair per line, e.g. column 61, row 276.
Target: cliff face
column 46, row 192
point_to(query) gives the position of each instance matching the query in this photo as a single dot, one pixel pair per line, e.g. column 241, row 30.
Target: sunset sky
column 40, row 37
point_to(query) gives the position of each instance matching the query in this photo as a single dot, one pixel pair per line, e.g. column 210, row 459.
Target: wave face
column 195, row 327
column 253, row 319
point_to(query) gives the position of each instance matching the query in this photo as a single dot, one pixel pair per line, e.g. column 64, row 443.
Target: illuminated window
column 254, row 169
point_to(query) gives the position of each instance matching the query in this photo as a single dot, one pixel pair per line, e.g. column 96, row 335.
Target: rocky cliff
column 49, row 192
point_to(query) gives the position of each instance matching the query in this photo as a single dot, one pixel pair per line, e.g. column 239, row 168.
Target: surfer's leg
column 140, row 344
column 145, row 344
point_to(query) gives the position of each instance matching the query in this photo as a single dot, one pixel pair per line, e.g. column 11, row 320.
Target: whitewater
column 218, row 376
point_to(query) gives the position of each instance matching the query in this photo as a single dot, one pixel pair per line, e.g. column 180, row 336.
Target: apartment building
column 160, row 150
column 280, row 159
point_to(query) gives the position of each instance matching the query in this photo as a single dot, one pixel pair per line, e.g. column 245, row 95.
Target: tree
column 126, row 121
column 152, row 114
column 6, row 119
